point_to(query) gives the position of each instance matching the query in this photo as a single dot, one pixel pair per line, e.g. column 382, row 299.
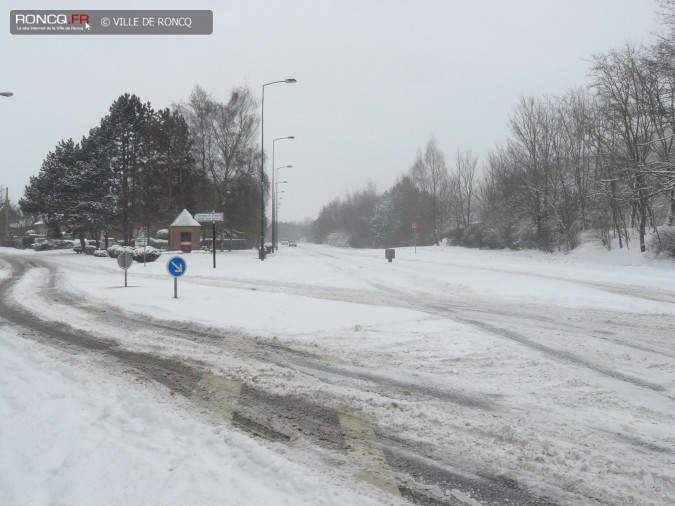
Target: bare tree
column 532, row 149
column 462, row 186
column 619, row 84
column 659, row 85
column 574, row 113
column 198, row 112
column 430, row 174
column 235, row 128
column 227, row 154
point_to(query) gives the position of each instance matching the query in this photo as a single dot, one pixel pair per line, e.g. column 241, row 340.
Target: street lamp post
column 278, row 183
column 274, row 239
column 261, row 254
column 6, row 94
column 278, row 199
column 274, row 219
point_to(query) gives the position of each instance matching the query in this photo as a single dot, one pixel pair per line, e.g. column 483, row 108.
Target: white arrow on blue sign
column 176, row 266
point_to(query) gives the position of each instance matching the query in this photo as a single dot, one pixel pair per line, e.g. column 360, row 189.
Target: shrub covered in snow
column 89, row 249
column 101, row 253
column 159, row 243
column 663, row 242
column 41, row 244
column 151, row 254
column 115, row 250
column 480, row 235
column 163, row 234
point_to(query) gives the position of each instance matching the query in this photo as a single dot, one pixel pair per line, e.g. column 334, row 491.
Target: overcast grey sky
column 376, row 78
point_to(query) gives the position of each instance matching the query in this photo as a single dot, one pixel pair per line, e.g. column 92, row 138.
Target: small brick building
column 184, row 233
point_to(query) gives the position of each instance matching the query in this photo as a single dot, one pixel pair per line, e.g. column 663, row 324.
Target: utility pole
column 7, row 216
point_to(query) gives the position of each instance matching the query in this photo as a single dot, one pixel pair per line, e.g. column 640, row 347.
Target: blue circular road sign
column 176, row 266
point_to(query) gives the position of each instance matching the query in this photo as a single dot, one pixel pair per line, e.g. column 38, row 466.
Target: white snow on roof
column 185, row 219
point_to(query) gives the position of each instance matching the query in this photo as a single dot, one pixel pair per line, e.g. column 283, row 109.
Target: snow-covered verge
column 574, row 353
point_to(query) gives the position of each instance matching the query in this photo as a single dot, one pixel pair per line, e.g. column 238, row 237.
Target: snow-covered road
column 444, row 375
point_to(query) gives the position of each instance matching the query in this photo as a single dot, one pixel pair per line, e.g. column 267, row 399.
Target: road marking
column 219, row 395
column 374, row 467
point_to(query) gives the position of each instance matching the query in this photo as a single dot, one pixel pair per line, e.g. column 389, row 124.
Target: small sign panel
column 176, row 266
column 209, row 217
column 125, row 260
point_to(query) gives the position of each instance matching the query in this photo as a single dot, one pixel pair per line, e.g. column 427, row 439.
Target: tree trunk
column 643, row 226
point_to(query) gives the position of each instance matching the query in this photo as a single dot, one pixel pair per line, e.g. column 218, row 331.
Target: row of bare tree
column 599, row 158
column 451, row 192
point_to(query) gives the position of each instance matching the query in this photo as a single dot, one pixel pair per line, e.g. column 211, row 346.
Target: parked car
column 292, row 243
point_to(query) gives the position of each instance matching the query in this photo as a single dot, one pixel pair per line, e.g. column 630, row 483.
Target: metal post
column 261, row 255
column 7, row 216
column 214, row 244
column 275, row 222
column 175, row 288
column 125, row 277
column 274, row 197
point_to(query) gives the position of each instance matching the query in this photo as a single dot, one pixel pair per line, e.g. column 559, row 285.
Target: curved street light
column 274, row 212
column 275, row 222
column 261, row 253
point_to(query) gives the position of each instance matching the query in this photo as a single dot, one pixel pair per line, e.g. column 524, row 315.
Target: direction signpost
column 176, row 266
column 125, row 260
column 213, row 217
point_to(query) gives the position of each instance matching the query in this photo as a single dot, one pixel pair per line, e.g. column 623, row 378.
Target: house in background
column 40, row 228
column 184, row 233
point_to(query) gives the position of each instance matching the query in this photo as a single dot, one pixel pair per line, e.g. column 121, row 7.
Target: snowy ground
column 560, row 369
column 72, row 437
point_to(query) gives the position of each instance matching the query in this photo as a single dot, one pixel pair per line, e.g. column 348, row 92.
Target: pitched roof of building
column 185, row 219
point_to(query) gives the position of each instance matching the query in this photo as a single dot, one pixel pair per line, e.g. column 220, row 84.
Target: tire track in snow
column 454, row 312
column 275, row 417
